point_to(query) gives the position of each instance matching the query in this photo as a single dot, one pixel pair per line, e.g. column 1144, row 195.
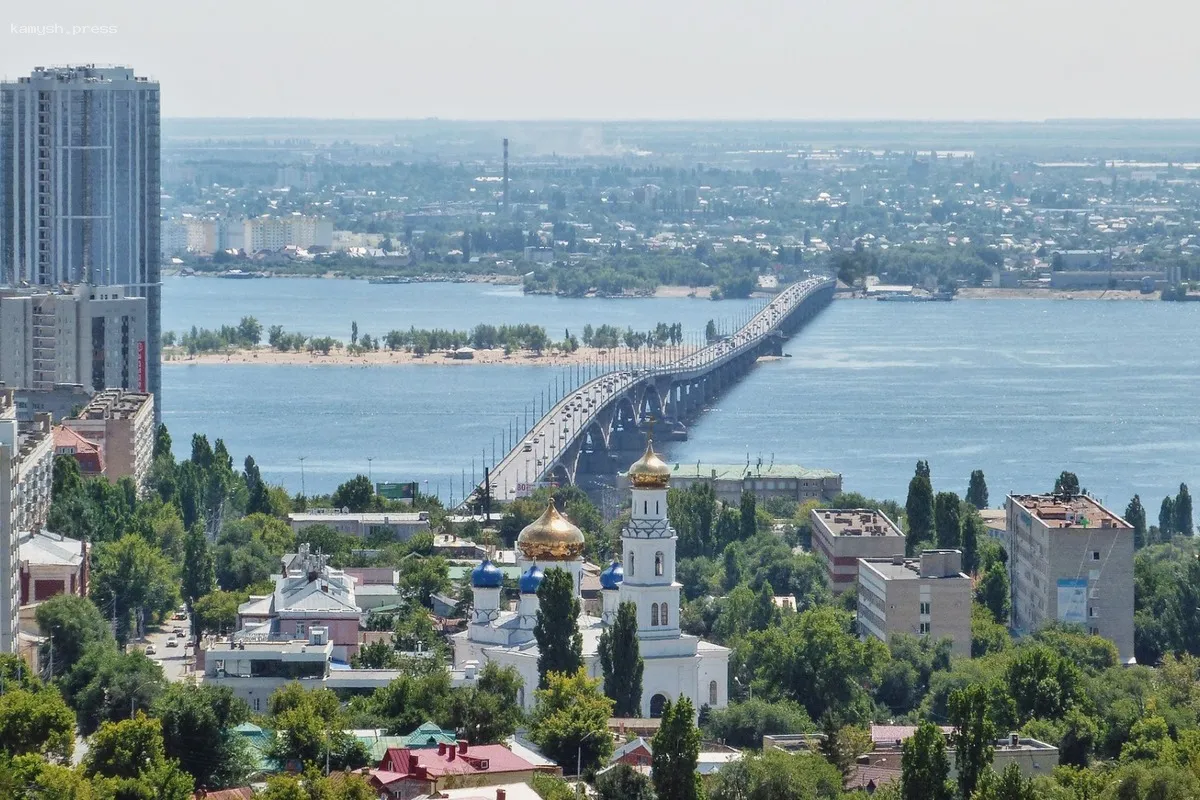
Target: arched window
column 630, row 569
column 659, row 562
column 656, row 705
column 654, row 615
column 663, row 617
column 712, row 693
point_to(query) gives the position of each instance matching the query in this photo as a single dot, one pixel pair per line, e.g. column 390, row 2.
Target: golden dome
column 649, row 471
column 551, row 537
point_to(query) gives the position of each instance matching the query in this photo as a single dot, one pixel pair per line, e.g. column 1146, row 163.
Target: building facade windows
column 712, row 693
column 925, row 608
column 658, row 564
column 654, row 615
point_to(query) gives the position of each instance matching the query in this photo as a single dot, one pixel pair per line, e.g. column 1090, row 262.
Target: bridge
column 599, row 427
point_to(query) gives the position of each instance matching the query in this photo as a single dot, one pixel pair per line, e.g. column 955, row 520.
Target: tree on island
column 918, row 508
column 977, row 491
column 622, row 663
column 947, row 522
column 560, row 644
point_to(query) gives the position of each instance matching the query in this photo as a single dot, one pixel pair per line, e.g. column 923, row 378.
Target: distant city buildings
column 204, row 236
column 79, row 186
column 840, row 537
column 364, row 525
column 94, row 336
column 928, row 596
column 26, row 469
column 786, row 481
column 1070, row 560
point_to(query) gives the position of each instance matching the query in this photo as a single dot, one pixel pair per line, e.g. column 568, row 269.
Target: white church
column 675, row 663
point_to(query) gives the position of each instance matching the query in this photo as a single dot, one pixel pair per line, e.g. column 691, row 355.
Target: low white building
column 364, row 525
column 675, row 663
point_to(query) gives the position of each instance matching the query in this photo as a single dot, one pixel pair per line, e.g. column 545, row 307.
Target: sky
column 631, row 59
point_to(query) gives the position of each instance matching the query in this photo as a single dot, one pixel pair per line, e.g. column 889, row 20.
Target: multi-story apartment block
column 95, row 336
column 122, row 423
column 26, row 475
column 294, row 230
column 79, row 185
column 1071, row 560
column 840, row 537
column 788, row 481
column 926, row 596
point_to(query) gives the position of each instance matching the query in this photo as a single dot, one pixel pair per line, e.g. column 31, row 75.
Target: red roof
column 89, row 454
column 244, row 793
column 479, row 759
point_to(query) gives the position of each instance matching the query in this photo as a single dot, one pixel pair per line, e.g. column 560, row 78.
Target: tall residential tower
column 79, row 185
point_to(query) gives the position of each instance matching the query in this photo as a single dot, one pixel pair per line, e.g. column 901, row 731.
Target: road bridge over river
column 599, row 427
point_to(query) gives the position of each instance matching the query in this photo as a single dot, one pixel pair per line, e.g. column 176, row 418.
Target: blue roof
column 487, row 576
column 531, row 579
column 611, row 578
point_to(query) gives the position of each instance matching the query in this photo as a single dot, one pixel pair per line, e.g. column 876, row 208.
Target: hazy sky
column 627, row 59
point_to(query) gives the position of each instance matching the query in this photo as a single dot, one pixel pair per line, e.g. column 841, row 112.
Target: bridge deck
column 561, row 430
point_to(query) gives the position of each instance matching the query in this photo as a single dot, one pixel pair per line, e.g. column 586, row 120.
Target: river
column 1019, row 388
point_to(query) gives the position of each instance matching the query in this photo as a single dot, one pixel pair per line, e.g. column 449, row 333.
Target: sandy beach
column 174, row 356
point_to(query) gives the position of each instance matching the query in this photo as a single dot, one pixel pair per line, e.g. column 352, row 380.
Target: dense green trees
column 570, row 721
column 356, row 494
column 675, row 751
column 621, row 662
column 197, row 731
column 977, row 491
column 947, row 522
column 72, row 626
column 973, row 736
column 136, row 581
column 925, row 766
column 560, row 644
column 37, row 721
column 777, row 775
column 1135, row 515
column 919, row 509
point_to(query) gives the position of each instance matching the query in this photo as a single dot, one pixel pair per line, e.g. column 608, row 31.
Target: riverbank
column 1034, row 294
column 264, row 356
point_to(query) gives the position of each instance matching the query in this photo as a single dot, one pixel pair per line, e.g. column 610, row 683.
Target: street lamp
column 303, row 493
column 369, row 474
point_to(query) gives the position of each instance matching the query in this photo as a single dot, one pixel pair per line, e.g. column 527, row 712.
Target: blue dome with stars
column 611, row 578
column 531, row 579
column 487, row 576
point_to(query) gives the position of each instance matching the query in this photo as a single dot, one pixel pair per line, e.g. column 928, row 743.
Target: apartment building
column 26, row 475
column 788, row 481
column 927, row 596
column 122, row 423
column 296, row 230
column 79, row 186
column 1070, row 560
column 840, row 537
column 94, row 336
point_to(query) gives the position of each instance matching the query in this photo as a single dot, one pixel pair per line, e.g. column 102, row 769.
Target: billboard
column 397, row 491
column 1072, row 600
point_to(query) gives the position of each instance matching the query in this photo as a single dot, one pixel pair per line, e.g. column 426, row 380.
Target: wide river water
column 1019, row 388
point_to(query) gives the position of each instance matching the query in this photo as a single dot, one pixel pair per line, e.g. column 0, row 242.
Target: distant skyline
column 633, row 59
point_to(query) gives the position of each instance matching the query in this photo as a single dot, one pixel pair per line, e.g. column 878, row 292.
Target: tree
column 1183, row 511
column 1135, row 515
column 924, row 766
column 777, row 775
column 488, row 712
column 37, row 722
column 197, row 730
column 107, row 685
column 309, row 727
column 918, row 508
column 765, row 612
column 843, row 744
column 743, row 724
column 974, row 733
column 675, row 750
column 216, row 612
column 748, row 515
column 357, row 494
column 622, row 662
column 136, row 581
column 560, row 644
column 623, row 782
column 424, row 577
column 1042, row 683
column 1166, row 518
column 947, row 522
column 973, row 529
column 993, row 592
column 162, row 441
column 72, row 625
column 258, row 498
column 570, row 720
column 199, row 577
column 67, row 481
column 1067, row 483
column 1010, row 785
column 977, row 491
column 123, row 749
